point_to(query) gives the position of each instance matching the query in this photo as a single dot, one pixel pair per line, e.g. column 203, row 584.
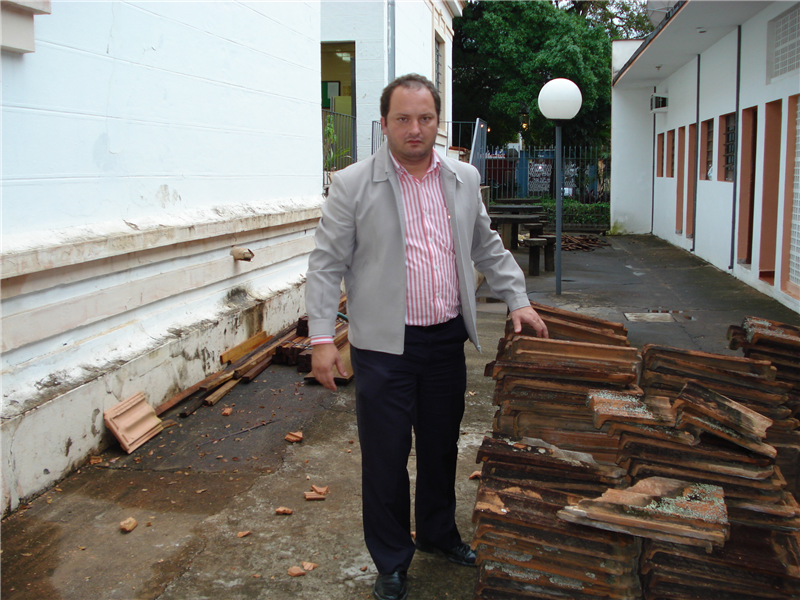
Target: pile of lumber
column 542, row 386
column 778, row 343
column 750, row 382
column 246, row 361
column 585, row 243
column 524, row 550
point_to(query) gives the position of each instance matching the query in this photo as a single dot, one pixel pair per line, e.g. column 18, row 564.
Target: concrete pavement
column 193, row 491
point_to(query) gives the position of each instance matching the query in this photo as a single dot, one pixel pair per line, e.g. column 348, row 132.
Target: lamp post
column 559, row 100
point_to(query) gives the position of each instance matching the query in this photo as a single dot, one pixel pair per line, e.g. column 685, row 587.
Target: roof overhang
column 690, row 28
column 456, row 7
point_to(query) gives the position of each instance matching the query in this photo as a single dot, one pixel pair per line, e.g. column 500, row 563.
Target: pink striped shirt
column 431, row 276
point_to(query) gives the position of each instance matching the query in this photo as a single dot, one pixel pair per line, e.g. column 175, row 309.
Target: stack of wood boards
column 778, row 343
column 753, row 564
column 542, row 386
column 524, row 550
column 749, row 382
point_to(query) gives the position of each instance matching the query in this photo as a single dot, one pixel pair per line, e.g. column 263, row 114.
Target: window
column 660, row 156
column 671, row 153
column 707, row 150
column 783, row 33
column 727, row 140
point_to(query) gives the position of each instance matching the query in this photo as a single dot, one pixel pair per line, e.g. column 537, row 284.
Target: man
column 403, row 229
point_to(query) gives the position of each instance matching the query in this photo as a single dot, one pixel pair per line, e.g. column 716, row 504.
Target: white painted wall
column 715, row 199
column 632, row 143
column 141, row 141
column 365, row 22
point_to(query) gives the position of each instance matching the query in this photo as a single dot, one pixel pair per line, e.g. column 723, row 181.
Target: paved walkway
column 192, row 496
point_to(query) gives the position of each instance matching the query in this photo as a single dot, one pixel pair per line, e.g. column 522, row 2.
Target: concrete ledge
column 41, row 445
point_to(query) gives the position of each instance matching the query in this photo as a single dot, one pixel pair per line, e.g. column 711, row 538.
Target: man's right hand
column 324, row 357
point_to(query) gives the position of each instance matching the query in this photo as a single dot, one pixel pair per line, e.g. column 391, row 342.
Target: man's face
column 410, row 126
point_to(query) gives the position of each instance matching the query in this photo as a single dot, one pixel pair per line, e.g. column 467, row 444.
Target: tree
column 622, row 19
column 504, row 52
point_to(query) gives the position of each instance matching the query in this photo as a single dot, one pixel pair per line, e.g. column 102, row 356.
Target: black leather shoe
column 391, row 586
column 461, row 553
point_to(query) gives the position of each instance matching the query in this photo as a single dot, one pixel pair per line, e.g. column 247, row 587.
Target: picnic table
column 508, row 218
column 507, row 226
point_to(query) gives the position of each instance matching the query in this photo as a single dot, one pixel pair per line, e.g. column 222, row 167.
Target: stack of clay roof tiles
column 778, row 343
column 702, row 483
column 542, row 383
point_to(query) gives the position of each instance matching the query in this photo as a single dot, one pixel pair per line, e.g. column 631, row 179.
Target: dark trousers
column 421, row 389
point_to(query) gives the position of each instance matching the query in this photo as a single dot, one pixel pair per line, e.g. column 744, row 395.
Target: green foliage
column 576, row 213
column 504, row 52
column 331, row 154
column 622, row 19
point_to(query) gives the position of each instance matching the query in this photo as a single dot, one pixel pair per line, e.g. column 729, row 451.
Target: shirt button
column 438, row 295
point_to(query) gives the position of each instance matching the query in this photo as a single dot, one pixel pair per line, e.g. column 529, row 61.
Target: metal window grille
column 729, row 155
column 787, row 42
column 439, row 74
column 794, row 249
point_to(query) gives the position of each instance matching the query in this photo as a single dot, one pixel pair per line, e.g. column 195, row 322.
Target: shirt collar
column 433, row 168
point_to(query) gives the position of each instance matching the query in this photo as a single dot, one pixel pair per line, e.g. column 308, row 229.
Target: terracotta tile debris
column 133, row 421
column 309, row 566
column 294, row 437
column 475, row 475
column 226, row 412
column 282, row 510
column 296, row 572
column 313, row 496
column 128, row 525
column 242, row 534
column 319, row 489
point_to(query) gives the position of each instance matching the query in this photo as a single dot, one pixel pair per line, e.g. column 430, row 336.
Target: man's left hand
column 526, row 314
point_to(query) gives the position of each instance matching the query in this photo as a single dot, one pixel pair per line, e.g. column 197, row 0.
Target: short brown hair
column 413, row 81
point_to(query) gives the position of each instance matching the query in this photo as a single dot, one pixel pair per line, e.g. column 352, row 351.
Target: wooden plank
column 256, row 370
column 240, row 350
column 181, row 396
column 215, row 397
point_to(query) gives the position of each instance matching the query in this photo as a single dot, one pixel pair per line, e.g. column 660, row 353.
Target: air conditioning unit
column 658, row 103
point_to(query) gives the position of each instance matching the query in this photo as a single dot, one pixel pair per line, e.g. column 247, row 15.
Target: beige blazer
column 361, row 238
